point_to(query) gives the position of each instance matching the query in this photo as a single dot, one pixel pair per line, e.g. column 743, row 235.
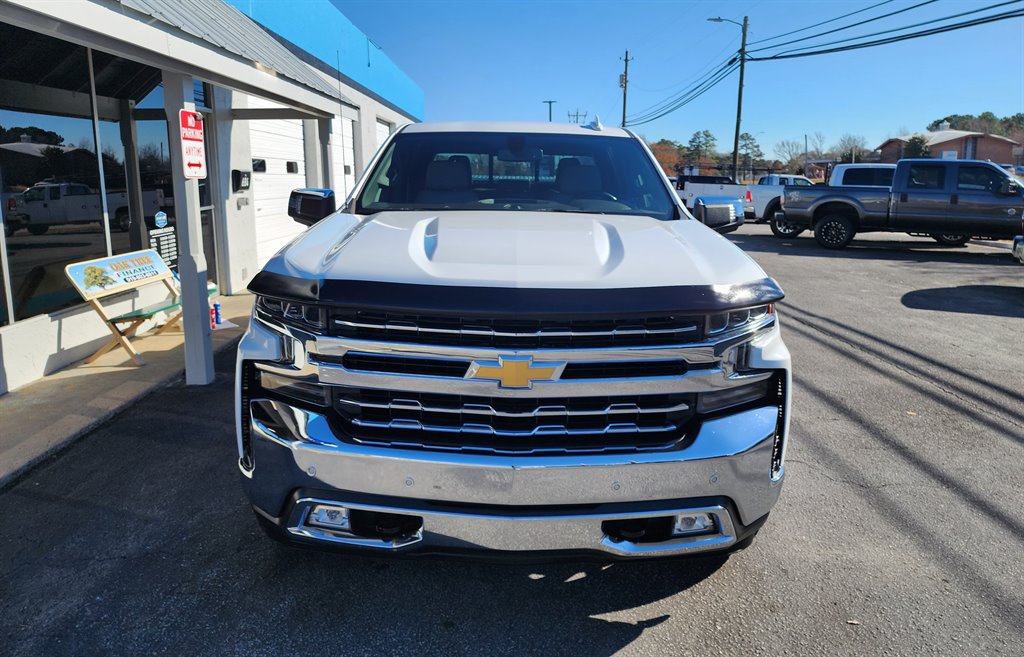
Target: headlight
column 740, row 320
column 305, row 316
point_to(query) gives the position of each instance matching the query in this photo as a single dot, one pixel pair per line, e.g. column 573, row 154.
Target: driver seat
column 575, row 179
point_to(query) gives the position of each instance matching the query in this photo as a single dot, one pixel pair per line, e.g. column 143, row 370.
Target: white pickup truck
column 512, row 339
column 55, row 204
column 761, row 201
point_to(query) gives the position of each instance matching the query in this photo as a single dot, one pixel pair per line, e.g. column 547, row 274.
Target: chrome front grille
column 512, row 425
column 454, row 368
column 516, row 333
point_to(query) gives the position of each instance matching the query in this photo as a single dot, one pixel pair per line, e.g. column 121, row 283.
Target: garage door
column 278, row 168
column 383, row 130
column 344, row 155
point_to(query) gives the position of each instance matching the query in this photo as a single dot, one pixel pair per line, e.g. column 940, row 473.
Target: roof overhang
column 111, row 28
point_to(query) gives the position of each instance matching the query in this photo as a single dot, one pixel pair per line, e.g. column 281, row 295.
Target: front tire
column 784, row 229
column 123, row 221
column 834, row 232
column 951, row 240
column 38, row 230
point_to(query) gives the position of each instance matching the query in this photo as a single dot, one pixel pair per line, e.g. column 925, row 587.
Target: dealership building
column 91, row 158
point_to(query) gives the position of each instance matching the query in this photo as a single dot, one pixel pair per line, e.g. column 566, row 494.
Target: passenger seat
column 447, row 181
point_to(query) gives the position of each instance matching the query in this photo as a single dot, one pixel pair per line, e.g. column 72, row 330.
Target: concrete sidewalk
column 38, row 419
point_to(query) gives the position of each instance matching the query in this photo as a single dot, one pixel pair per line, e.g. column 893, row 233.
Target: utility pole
column 739, row 104
column 624, row 83
column 550, row 103
column 739, row 97
column 575, row 116
column 805, row 155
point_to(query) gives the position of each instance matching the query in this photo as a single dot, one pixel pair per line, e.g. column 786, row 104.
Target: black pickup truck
column 948, row 200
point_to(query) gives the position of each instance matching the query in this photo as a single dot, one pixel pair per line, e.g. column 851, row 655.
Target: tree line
column 791, row 154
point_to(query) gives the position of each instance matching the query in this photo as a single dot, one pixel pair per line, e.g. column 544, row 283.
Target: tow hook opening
column 659, row 528
column 383, row 526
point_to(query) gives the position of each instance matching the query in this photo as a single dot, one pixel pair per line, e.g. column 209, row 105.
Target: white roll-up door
column 344, row 154
column 383, row 130
column 278, row 144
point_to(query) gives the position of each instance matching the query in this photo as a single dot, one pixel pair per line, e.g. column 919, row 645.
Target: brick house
column 967, row 144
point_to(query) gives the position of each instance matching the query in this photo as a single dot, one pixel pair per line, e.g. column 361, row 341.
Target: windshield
column 516, row 171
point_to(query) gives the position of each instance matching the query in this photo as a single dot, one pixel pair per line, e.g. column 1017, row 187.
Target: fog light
column 329, row 517
column 692, row 524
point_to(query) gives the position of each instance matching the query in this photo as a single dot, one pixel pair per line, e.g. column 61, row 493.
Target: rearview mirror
column 308, row 206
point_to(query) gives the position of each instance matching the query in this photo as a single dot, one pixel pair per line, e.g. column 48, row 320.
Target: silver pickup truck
column 512, row 338
column 948, row 200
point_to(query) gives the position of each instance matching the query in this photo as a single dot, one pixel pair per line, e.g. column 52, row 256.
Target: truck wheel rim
column 834, row 232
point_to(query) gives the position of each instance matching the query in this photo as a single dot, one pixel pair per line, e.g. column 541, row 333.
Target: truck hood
column 515, row 250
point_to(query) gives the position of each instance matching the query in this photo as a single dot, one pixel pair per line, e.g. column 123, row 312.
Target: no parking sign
column 193, row 148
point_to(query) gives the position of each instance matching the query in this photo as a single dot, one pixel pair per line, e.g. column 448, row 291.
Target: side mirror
column 308, row 206
column 1009, row 187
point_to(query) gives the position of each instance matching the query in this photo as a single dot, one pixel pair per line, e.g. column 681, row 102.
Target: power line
column 685, row 92
column 846, row 27
column 682, row 99
column 905, row 27
column 831, row 20
column 692, row 96
column 904, row 37
column 708, row 81
column 710, row 63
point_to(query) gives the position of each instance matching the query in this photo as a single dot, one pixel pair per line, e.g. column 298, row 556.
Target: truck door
column 77, row 204
column 922, row 200
column 36, row 205
column 980, row 207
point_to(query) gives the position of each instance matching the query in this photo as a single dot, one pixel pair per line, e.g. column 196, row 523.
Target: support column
column 326, row 154
column 311, row 153
column 138, row 235
column 179, row 95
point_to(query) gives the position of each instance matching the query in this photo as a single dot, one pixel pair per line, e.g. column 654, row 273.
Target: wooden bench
column 102, row 278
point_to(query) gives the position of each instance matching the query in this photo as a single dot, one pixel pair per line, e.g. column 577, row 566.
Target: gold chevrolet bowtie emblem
column 513, row 371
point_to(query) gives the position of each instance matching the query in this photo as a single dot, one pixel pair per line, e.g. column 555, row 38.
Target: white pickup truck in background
column 761, row 201
column 56, row 204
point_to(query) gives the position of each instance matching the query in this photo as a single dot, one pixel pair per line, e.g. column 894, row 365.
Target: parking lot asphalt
column 900, row 530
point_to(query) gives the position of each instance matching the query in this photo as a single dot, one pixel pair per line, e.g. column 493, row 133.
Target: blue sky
column 490, row 60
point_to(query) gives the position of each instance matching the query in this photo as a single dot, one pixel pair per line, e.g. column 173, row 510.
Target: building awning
column 207, row 39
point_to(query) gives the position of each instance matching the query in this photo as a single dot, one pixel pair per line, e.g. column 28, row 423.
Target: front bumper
column 470, row 502
column 529, row 503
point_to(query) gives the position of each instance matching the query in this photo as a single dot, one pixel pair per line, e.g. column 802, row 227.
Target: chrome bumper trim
column 449, row 530
column 730, row 456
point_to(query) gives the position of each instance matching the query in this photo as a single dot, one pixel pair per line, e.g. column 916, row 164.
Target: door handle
column 954, row 199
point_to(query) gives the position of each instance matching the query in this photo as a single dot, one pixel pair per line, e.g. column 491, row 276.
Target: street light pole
column 739, row 95
column 550, row 103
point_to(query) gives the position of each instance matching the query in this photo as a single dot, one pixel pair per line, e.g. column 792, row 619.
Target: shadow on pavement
column 910, row 249
column 930, row 537
column 138, row 539
column 909, row 360
column 995, row 300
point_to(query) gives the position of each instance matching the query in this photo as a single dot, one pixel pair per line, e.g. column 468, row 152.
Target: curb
column 11, row 478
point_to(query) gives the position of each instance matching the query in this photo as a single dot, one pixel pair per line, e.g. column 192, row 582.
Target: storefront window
column 52, row 206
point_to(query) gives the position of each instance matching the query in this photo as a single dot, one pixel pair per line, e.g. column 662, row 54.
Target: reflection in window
column 978, row 179
column 927, row 177
column 47, row 163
